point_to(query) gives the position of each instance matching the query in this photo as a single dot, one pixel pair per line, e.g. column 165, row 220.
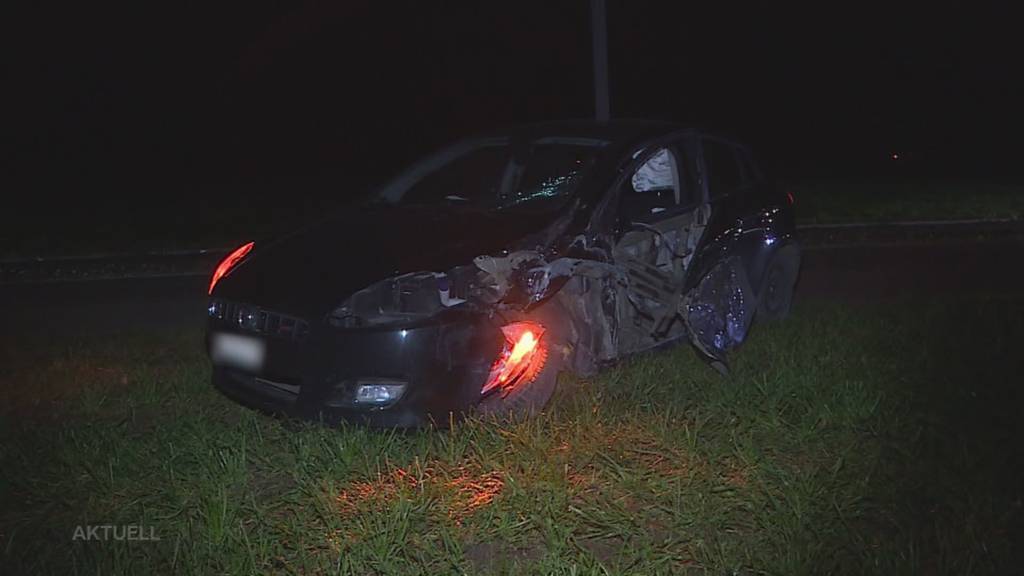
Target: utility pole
column 599, row 28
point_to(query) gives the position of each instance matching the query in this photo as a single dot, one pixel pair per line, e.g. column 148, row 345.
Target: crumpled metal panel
column 721, row 307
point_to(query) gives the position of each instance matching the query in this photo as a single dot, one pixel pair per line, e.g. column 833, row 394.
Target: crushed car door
column 661, row 219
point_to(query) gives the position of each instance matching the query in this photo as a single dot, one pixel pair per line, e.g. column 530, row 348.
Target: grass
column 876, row 439
column 901, row 199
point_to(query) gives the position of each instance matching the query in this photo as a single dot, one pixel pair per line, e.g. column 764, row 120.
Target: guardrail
column 110, row 266
column 886, row 233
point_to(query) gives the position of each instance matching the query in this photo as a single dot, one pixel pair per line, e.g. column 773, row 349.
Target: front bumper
column 443, row 364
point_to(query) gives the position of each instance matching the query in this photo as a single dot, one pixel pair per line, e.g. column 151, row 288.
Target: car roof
column 621, row 134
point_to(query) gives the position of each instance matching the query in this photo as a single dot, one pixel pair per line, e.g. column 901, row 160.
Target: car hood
column 310, row 272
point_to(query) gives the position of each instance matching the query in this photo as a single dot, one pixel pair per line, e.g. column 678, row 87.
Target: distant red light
column 790, row 197
column 895, row 156
column 228, row 263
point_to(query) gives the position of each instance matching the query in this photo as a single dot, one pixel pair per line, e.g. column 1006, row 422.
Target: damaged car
column 472, row 279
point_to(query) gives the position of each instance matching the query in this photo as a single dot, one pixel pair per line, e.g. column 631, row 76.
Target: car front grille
column 254, row 319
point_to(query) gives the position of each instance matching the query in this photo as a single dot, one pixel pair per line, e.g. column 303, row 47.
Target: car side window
column 653, row 189
column 751, row 169
column 722, row 166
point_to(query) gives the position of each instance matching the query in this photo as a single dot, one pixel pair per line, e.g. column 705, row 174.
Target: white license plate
column 237, row 351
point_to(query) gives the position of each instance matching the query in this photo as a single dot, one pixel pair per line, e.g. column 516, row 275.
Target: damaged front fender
column 719, row 310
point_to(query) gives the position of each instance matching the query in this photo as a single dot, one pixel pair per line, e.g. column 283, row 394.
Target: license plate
column 237, row 351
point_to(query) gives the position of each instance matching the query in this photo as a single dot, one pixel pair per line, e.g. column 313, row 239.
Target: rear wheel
column 776, row 294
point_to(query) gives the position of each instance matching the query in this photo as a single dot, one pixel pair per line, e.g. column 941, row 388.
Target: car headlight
column 407, row 298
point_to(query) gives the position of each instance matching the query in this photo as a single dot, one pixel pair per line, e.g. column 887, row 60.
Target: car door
column 661, row 214
column 719, row 302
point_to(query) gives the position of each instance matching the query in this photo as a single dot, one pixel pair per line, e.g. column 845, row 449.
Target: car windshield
column 496, row 174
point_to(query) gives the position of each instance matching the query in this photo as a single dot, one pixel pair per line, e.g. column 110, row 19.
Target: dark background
column 180, row 120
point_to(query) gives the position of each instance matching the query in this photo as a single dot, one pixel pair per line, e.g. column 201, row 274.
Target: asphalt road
column 861, row 273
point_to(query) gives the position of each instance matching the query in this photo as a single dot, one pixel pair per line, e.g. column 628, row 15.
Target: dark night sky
column 194, row 108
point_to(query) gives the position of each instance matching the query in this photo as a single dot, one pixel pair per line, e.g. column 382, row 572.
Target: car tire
column 775, row 298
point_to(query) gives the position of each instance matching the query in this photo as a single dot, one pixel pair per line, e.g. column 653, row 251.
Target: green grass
column 876, row 439
column 902, row 199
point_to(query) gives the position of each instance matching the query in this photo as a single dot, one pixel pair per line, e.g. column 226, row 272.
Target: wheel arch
column 761, row 259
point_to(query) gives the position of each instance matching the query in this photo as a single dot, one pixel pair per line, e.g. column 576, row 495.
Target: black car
column 478, row 274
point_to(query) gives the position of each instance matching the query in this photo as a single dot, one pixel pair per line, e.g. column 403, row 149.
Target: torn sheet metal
column 524, row 278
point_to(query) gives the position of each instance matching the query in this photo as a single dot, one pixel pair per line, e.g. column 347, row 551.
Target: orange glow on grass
column 386, row 488
column 228, row 263
column 472, row 490
column 460, row 490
